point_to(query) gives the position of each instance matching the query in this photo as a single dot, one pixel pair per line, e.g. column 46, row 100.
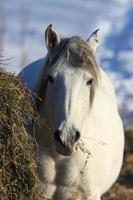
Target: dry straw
column 18, row 165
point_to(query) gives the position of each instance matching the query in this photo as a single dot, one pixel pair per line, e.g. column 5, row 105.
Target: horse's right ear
column 93, row 41
column 52, row 38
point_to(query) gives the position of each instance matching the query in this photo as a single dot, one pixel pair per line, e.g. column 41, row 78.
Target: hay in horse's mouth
column 64, row 152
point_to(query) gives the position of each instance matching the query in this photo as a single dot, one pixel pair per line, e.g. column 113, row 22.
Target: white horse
column 81, row 149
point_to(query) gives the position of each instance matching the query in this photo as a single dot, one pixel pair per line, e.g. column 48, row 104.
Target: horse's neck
column 103, row 115
column 41, row 69
column 106, row 87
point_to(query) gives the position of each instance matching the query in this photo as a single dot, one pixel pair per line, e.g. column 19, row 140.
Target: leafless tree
column 23, row 32
column 2, row 24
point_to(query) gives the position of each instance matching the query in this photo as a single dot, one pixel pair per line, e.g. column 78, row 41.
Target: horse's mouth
column 65, row 151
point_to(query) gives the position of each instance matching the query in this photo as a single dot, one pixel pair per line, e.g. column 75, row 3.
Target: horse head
column 70, row 81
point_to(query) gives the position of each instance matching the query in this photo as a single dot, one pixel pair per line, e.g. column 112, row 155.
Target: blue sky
column 76, row 17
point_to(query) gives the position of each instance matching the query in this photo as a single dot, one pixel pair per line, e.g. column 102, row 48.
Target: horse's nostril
column 77, row 136
column 57, row 136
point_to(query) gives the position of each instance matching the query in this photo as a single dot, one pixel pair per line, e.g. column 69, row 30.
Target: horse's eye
column 50, row 79
column 89, row 82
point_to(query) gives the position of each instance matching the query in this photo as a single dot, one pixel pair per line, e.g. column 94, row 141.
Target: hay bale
column 18, row 177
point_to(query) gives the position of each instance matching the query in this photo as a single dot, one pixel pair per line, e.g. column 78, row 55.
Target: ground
column 123, row 188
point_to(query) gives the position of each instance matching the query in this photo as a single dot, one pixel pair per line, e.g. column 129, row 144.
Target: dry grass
column 18, row 178
column 123, row 188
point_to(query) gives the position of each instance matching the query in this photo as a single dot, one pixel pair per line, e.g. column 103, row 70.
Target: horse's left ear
column 52, row 38
column 93, row 40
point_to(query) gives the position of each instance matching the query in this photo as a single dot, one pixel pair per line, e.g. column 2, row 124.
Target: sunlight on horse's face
column 67, row 100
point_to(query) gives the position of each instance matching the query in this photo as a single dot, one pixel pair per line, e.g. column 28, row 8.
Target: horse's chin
column 65, row 152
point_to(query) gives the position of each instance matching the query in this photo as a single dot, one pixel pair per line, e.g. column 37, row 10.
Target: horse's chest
column 67, row 173
column 62, row 177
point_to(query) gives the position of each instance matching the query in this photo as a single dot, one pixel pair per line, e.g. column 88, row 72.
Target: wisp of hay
column 18, row 164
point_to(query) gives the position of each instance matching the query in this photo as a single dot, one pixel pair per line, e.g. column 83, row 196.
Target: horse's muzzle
column 66, row 146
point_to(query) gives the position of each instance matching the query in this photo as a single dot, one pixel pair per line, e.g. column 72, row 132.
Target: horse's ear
column 52, row 38
column 93, row 40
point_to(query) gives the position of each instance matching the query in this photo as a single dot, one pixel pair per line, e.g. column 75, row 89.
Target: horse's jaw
column 65, row 151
